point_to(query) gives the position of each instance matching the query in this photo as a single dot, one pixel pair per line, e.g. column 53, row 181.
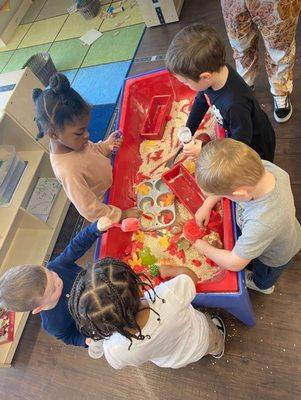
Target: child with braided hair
column 82, row 167
column 140, row 323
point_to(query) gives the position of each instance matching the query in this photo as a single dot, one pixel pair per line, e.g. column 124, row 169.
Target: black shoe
column 218, row 322
column 283, row 109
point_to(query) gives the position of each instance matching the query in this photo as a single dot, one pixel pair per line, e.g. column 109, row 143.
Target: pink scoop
column 128, row 225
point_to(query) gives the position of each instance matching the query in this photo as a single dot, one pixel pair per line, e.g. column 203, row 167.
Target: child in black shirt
column 196, row 57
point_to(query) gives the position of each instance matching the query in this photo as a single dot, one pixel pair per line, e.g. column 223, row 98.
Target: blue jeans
column 263, row 276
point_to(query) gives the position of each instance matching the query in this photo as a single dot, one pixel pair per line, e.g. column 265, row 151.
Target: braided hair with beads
column 58, row 105
column 106, row 298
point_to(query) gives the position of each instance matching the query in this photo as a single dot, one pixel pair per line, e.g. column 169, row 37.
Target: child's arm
column 223, row 258
column 203, row 213
column 197, row 113
column 72, row 337
column 167, row 271
column 78, row 246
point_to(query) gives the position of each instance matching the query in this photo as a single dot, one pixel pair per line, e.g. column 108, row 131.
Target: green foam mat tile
column 76, row 26
column 17, row 37
column 42, row 32
column 33, row 11
column 68, row 54
column 20, row 57
column 4, row 58
column 53, row 8
column 109, row 48
column 130, row 16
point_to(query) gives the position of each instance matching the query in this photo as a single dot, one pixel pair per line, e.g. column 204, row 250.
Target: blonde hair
column 224, row 165
column 22, row 288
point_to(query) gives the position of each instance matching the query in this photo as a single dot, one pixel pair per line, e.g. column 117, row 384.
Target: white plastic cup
column 95, row 349
column 184, row 135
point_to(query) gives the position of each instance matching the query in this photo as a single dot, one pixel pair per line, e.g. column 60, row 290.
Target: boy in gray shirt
column 270, row 232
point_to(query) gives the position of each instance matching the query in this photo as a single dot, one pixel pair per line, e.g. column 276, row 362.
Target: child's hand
column 129, row 213
column 200, row 246
column 104, row 223
column 192, row 149
column 202, row 216
column 166, row 271
column 114, row 141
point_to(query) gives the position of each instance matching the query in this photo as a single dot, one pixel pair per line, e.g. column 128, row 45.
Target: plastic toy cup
column 192, row 231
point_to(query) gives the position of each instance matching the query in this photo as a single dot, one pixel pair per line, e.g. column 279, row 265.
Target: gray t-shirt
column 270, row 229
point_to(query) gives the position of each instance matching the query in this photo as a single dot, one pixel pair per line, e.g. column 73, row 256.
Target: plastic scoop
column 192, row 231
column 127, row 225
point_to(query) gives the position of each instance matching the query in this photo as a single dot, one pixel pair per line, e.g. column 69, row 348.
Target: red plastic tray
column 155, row 121
column 184, row 186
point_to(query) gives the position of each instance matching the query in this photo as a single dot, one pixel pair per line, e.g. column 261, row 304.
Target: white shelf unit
column 160, row 12
column 18, row 103
column 25, row 239
column 10, row 20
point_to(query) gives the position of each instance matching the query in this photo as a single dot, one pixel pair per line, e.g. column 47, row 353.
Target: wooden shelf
column 9, row 214
column 7, row 350
column 10, row 20
column 25, row 239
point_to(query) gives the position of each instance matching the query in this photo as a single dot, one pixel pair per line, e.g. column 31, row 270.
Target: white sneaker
column 219, row 323
column 251, row 285
column 283, row 109
column 95, row 349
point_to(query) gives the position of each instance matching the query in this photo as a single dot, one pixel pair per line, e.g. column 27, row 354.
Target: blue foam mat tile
column 70, row 74
column 100, row 118
column 101, row 84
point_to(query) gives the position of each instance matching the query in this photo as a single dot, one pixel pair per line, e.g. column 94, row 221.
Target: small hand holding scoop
column 127, row 225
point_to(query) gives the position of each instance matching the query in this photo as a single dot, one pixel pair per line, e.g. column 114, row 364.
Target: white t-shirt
column 180, row 338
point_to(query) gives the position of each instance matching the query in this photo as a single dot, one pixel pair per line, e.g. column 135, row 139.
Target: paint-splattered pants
column 276, row 20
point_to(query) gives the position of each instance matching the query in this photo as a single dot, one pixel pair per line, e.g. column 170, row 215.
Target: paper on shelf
column 43, row 197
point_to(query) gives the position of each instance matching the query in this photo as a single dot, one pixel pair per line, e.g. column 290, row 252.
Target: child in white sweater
column 159, row 325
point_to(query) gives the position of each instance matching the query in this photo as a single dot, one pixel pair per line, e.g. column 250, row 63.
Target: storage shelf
column 24, row 238
column 8, row 214
column 38, row 244
column 33, row 242
column 7, row 350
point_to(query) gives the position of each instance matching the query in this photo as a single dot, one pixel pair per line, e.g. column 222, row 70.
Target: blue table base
column 238, row 304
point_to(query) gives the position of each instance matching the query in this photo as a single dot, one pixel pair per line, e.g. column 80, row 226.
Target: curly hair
column 106, row 298
column 58, row 105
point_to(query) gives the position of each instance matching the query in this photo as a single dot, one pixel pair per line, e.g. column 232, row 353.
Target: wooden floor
column 263, row 363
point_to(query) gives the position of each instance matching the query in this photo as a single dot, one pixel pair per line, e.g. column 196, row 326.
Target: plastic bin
column 89, row 9
column 184, row 186
column 42, row 66
column 156, row 119
column 12, row 177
